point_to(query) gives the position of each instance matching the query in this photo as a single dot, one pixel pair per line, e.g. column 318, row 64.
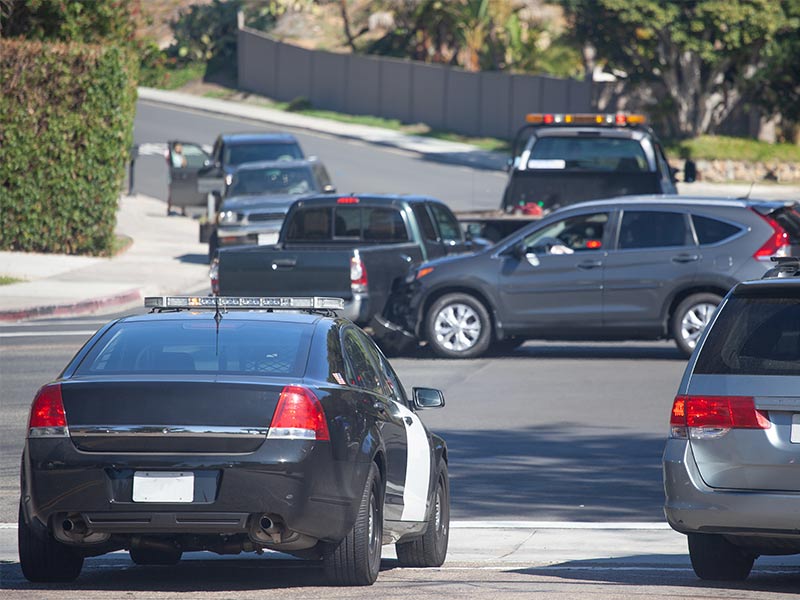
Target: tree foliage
column 702, row 54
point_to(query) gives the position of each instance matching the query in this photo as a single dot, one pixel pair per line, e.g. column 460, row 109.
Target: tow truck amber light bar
column 607, row 119
column 243, row 302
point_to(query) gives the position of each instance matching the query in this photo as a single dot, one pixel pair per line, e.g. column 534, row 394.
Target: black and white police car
column 232, row 425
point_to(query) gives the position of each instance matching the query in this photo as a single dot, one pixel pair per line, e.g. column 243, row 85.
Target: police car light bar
column 607, row 119
column 244, row 302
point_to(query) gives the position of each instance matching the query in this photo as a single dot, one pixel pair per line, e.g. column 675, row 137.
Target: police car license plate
column 163, row 486
column 795, row 435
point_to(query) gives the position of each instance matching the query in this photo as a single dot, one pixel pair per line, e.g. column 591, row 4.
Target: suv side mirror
column 428, row 398
column 518, row 250
column 689, row 171
column 329, row 189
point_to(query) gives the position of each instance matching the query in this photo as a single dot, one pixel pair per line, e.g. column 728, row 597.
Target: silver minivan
column 732, row 461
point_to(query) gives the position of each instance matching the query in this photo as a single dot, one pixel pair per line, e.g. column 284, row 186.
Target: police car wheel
column 44, row 559
column 430, row 550
column 690, row 319
column 152, row 556
column 458, row 326
column 356, row 559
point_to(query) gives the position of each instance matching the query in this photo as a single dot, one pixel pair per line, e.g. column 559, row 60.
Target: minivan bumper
column 691, row 506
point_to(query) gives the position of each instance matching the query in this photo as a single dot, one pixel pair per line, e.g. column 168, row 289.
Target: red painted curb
column 67, row 310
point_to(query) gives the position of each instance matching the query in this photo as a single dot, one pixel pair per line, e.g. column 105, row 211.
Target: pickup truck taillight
column 358, row 273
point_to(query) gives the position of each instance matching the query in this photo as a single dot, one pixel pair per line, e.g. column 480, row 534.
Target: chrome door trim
column 165, row 430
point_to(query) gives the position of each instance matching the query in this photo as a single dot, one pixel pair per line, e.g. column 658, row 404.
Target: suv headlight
column 227, row 217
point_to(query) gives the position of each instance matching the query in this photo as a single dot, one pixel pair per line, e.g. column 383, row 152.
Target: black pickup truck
column 356, row 247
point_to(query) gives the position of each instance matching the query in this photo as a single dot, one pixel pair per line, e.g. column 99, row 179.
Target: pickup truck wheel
column 45, row 559
column 356, row 559
column 430, row 549
column 690, row 318
column 458, row 326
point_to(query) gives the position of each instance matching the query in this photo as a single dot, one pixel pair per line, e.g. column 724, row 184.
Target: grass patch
column 720, row 147
column 120, row 244
column 7, row 280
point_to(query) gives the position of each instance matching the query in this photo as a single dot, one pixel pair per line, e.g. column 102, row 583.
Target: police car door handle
column 685, row 258
column 590, row 264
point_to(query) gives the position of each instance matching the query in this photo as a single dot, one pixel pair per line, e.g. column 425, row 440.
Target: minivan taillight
column 358, row 273
column 704, row 417
column 298, row 416
column 777, row 244
column 47, row 418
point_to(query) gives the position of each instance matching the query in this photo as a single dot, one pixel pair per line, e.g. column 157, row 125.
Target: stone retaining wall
column 721, row 171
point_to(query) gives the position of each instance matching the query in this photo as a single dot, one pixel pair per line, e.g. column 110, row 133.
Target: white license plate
column 266, row 239
column 163, row 486
column 795, row 438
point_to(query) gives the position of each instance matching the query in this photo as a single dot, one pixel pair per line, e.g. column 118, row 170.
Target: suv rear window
column 754, row 335
column 590, row 154
column 184, row 347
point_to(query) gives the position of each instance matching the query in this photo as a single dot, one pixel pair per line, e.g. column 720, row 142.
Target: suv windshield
column 195, row 346
column 237, row 154
column 292, row 180
column 754, row 335
column 589, row 153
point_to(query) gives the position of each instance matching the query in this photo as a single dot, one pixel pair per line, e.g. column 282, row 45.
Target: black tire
column 506, row 345
column 430, row 550
column 356, row 559
column 476, row 316
column 153, row 556
column 44, row 559
column 697, row 304
column 713, row 557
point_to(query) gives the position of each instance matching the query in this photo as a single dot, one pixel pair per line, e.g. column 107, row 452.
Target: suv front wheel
column 458, row 326
column 690, row 319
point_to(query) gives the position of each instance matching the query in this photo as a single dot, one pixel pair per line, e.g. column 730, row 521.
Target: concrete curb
column 78, row 308
column 450, row 152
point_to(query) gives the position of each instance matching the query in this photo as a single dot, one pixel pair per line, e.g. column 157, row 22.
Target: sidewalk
column 165, row 258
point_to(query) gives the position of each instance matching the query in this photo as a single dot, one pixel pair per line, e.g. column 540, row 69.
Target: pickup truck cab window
column 448, row 225
column 590, row 153
column 310, row 225
column 427, row 229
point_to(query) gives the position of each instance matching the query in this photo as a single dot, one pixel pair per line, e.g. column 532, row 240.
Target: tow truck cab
column 562, row 159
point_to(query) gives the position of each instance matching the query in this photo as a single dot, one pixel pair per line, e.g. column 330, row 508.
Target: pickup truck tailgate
column 270, row 271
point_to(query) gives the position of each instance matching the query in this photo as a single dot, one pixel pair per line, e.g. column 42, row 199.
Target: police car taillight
column 47, row 418
column 706, row 417
column 776, row 245
column 298, row 416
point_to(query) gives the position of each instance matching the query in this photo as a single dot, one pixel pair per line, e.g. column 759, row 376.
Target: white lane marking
column 556, row 525
column 418, row 467
column 46, row 333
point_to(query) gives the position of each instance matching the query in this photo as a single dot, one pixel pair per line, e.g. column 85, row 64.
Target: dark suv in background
column 618, row 269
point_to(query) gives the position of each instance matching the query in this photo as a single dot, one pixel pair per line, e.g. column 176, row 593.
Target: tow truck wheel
column 458, row 326
column 44, row 559
column 430, row 550
column 356, row 560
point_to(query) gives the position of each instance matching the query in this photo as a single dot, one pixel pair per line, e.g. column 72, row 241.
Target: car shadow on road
column 555, row 473
column 568, row 350
column 664, row 571
column 195, row 259
column 215, row 574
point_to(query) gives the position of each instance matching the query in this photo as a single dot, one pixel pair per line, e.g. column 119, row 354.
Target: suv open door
column 184, row 161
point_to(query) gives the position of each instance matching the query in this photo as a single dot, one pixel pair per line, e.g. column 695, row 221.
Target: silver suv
column 732, row 462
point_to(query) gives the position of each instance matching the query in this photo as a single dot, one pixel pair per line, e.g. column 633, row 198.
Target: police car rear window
column 591, row 154
column 754, row 335
column 185, row 347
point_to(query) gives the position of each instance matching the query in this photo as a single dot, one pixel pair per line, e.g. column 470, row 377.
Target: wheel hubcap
column 695, row 321
column 457, row 327
column 372, row 525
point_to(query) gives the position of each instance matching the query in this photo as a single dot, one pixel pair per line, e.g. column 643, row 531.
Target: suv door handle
column 685, row 258
column 590, row 264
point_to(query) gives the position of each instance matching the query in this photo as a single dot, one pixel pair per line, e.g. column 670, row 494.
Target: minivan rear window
column 753, row 335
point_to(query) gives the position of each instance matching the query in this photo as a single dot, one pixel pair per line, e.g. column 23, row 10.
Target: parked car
column 216, row 168
column 732, row 461
column 259, row 197
column 354, row 247
column 562, row 159
column 232, row 425
column 619, row 269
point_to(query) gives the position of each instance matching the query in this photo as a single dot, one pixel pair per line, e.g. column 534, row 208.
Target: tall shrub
column 66, row 126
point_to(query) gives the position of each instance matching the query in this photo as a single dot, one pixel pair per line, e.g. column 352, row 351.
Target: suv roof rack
column 787, row 266
column 312, row 304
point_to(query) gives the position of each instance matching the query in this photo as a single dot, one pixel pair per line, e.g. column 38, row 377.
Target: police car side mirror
column 428, row 398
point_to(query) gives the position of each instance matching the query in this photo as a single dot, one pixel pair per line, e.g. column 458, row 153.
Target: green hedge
column 66, row 128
